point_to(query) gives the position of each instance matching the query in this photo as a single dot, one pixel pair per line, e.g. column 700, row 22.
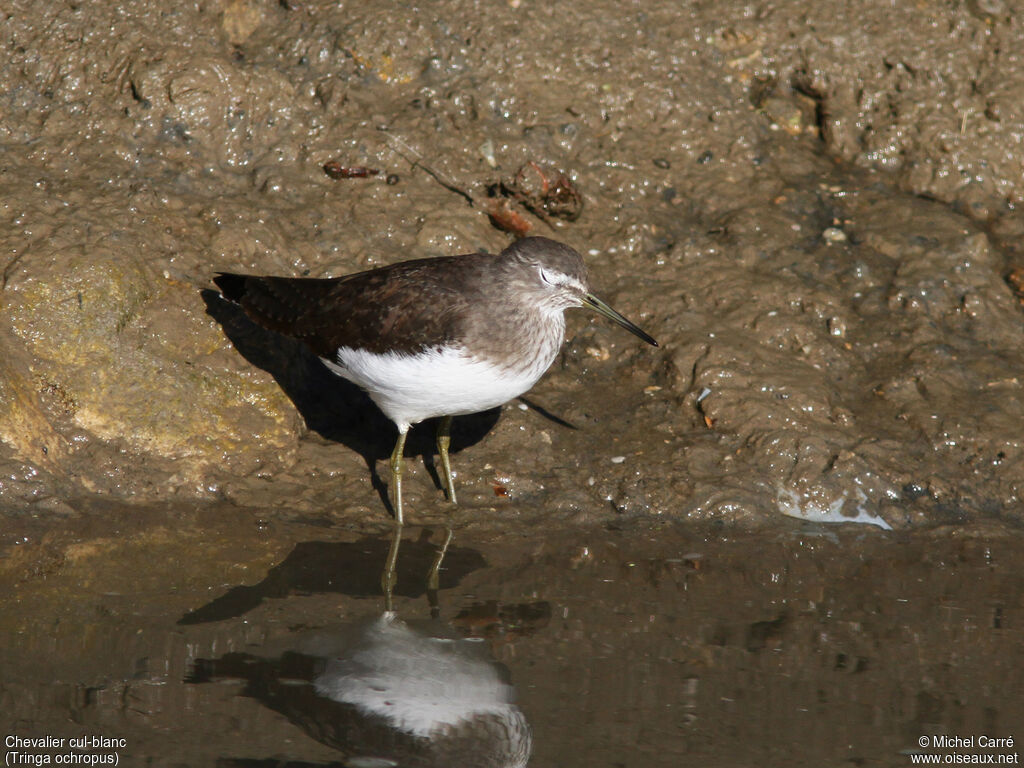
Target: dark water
column 210, row 639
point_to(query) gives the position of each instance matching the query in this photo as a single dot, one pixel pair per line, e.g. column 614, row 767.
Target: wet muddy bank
column 814, row 212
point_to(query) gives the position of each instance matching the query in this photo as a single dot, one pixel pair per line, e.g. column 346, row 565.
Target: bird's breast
column 442, row 381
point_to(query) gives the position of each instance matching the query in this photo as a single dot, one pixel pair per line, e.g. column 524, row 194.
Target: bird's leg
column 396, row 473
column 444, row 439
column 389, row 578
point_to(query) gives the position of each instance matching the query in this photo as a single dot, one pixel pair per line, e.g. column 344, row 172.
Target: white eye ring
column 546, row 276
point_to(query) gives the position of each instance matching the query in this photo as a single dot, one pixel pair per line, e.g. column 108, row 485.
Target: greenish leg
column 389, row 578
column 444, row 439
column 396, row 475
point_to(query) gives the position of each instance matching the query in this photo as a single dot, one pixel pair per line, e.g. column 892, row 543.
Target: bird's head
column 554, row 276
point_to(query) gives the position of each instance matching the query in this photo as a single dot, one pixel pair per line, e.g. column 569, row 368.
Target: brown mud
column 815, row 208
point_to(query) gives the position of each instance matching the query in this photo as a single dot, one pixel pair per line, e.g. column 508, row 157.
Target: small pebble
column 834, row 235
column 392, row 179
column 661, row 162
column 487, row 153
column 836, row 327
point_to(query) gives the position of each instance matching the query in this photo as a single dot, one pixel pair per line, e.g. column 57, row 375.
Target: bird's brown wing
column 407, row 307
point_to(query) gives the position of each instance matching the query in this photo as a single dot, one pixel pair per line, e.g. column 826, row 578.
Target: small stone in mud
column 392, row 179
column 784, row 113
column 705, row 157
column 1016, row 282
column 487, row 153
column 834, row 235
column 661, row 162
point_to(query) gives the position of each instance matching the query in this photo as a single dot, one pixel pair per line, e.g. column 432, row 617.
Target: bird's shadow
column 348, row 568
column 331, row 406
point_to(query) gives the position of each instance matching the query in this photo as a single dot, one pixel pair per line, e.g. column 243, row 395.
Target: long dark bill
column 590, row 300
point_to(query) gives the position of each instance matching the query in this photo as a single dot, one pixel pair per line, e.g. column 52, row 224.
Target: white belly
column 411, row 388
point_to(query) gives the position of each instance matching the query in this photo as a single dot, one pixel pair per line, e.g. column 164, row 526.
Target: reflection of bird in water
column 385, row 694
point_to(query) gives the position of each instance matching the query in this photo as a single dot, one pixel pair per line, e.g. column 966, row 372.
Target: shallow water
column 640, row 646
